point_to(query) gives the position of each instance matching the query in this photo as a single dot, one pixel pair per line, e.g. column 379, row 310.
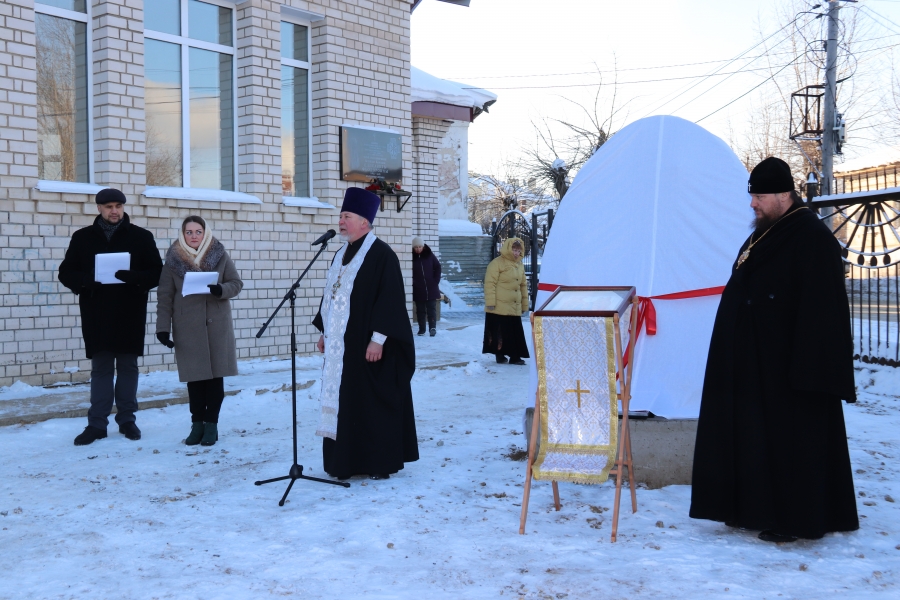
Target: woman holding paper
column 196, row 284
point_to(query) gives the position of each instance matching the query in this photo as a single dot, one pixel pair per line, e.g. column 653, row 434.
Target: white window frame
column 310, row 200
column 186, row 43
column 85, row 17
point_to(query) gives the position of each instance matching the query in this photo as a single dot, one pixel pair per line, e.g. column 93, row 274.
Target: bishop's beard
column 762, row 223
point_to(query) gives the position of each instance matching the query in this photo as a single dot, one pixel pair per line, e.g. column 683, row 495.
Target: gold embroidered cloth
column 576, row 358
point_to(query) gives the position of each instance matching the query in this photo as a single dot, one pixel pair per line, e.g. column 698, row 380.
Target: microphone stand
column 296, row 471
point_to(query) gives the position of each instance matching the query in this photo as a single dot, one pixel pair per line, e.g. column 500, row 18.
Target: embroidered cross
column 578, row 391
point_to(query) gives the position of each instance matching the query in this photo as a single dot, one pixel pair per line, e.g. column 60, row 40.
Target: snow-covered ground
column 157, row 519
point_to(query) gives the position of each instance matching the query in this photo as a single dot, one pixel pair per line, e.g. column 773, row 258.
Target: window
column 296, row 152
column 63, row 85
column 190, row 94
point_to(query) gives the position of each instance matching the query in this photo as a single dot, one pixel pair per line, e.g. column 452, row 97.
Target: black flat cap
column 110, row 195
column 771, row 176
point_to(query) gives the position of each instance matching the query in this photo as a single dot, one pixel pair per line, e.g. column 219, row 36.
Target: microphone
column 325, row 237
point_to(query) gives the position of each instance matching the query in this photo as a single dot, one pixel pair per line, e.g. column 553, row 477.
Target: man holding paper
column 112, row 266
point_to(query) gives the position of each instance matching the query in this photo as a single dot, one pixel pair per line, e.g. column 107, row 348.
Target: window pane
column 162, row 93
column 76, row 5
column 163, row 15
column 209, row 22
column 62, row 99
column 293, row 41
column 212, row 120
column 295, row 132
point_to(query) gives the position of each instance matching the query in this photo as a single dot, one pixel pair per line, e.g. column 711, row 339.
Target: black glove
column 215, row 289
column 89, row 285
column 127, row 276
column 163, row 337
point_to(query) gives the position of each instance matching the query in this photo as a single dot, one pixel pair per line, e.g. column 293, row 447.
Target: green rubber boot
column 196, row 433
column 210, row 434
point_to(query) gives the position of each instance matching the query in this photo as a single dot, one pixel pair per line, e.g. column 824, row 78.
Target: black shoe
column 433, row 332
column 501, row 360
column 421, row 332
column 379, row 476
column 516, row 361
column 89, row 435
column 770, row 536
column 130, row 430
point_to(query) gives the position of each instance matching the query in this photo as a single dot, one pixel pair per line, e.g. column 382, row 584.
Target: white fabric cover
column 662, row 206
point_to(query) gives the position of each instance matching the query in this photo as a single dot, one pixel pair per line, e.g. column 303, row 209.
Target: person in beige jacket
column 201, row 324
column 505, row 300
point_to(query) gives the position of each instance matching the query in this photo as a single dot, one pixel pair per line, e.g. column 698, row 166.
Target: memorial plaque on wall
column 368, row 154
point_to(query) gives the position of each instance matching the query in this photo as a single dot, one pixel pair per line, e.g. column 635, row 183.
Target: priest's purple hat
column 361, row 202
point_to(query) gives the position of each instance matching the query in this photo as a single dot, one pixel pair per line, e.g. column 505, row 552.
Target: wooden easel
column 623, row 455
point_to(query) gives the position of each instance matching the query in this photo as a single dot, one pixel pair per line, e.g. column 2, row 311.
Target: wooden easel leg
column 531, row 457
column 630, row 463
column 620, row 464
column 525, row 497
column 556, row 495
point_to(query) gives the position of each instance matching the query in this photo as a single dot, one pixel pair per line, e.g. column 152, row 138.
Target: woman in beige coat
column 201, row 324
column 505, row 299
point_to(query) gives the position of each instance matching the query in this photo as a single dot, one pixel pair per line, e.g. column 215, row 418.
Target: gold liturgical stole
column 577, row 394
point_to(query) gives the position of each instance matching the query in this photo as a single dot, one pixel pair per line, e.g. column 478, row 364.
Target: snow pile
column 458, row 227
column 457, row 304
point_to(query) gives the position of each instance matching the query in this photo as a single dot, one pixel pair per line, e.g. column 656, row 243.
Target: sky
column 503, row 44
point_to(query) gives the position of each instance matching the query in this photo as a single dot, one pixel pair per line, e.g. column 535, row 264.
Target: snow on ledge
column 68, row 187
column 458, row 228
column 181, row 193
column 311, row 202
column 425, row 87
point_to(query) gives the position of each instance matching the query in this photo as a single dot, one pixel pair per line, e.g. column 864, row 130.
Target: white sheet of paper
column 196, row 283
column 106, row 265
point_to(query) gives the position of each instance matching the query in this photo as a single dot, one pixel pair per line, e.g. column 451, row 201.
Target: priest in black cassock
column 366, row 418
column 771, row 452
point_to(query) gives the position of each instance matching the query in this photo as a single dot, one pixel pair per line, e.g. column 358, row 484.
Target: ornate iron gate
column 866, row 224
column 534, row 235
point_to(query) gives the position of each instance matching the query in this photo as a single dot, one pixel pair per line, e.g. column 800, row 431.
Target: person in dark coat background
column 113, row 316
column 771, row 451
column 366, row 419
column 426, row 280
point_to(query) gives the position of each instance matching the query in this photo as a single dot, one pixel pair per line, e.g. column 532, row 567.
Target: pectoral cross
column 578, row 391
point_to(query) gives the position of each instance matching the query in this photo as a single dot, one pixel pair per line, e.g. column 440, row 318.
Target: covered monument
column 663, row 207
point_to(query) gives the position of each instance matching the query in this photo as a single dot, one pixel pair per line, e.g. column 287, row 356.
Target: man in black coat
column 771, row 450
column 367, row 418
column 113, row 316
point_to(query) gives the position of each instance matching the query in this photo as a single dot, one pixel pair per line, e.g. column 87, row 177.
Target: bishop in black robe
column 376, row 430
column 771, row 451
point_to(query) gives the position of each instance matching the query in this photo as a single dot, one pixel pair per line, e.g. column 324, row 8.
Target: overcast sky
column 501, row 44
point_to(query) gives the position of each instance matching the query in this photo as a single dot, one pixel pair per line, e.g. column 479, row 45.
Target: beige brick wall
column 360, row 74
column 427, row 139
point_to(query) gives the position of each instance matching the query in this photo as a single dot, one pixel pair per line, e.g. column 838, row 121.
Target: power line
column 772, row 76
column 767, row 38
column 613, row 71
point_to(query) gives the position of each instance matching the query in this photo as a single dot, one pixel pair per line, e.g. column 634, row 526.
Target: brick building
column 228, row 109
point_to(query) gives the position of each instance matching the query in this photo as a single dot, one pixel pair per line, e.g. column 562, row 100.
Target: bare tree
column 795, row 61
column 562, row 146
column 490, row 195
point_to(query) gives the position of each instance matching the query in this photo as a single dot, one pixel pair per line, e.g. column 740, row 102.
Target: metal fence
column 865, row 222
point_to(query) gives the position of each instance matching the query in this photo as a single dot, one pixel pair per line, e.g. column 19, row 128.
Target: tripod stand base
column 296, row 473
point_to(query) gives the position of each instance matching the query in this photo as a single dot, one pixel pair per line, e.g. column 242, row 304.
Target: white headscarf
column 196, row 255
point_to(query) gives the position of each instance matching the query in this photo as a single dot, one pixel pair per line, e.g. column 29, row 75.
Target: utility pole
column 828, row 141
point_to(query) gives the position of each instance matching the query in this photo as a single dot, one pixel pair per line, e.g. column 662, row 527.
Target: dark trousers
column 429, row 306
column 206, row 399
column 104, row 365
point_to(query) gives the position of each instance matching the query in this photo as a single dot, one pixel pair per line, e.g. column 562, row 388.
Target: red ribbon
column 646, row 310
